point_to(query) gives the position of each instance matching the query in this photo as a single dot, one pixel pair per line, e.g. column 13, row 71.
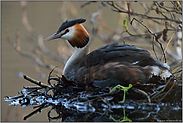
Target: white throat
column 73, row 61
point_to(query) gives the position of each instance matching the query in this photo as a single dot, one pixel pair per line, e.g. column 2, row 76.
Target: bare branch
column 153, row 38
column 87, row 3
column 168, row 44
column 117, row 9
column 37, row 35
column 29, row 55
column 36, row 82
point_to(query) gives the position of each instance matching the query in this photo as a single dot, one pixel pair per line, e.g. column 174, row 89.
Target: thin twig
column 179, row 63
column 87, row 3
column 44, row 106
column 164, row 95
column 29, row 55
column 36, row 82
column 168, row 44
column 148, row 34
column 163, row 7
column 37, row 35
column 162, row 89
column 117, row 9
column 144, row 93
column 153, row 38
column 32, row 87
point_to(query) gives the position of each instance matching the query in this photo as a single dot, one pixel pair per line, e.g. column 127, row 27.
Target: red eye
column 67, row 30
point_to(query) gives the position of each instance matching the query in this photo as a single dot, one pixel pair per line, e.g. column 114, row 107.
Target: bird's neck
column 71, row 64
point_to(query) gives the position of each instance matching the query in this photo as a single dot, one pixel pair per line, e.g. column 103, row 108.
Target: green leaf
column 127, row 88
column 120, row 87
column 125, row 22
column 126, row 119
column 113, row 119
column 116, row 87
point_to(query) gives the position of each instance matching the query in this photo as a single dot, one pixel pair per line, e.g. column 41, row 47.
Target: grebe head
column 73, row 31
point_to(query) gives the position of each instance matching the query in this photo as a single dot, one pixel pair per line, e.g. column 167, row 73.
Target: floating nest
column 157, row 100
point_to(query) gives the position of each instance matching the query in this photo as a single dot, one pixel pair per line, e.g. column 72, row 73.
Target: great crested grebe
column 119, row 61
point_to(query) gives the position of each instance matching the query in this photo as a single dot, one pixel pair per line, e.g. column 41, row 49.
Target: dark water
column 45, row 19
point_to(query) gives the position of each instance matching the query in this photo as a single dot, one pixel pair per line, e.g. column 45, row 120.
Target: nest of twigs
column 73, row 103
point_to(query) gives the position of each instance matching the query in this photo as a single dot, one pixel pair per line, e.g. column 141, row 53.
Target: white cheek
column 69, row 35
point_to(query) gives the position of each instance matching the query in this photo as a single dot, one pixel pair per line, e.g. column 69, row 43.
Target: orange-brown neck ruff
column 81, row 37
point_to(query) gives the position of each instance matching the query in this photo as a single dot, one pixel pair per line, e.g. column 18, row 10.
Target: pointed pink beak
column 54, row 36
